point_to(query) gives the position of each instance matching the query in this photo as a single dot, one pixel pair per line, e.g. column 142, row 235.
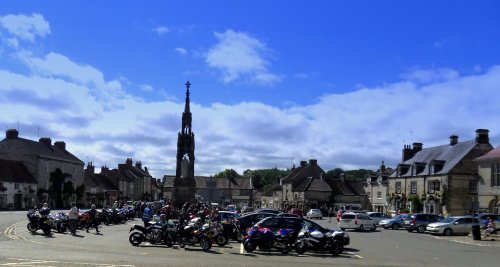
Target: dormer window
column 403, row 169
column 437, row 166
column 418, row 167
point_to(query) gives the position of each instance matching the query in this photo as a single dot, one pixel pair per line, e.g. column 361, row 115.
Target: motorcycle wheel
column 300, row 247
column 168, row 240
column 135, row 238
column 249, row 245
column 221, row 240
column 205, row 243
column 181, row 242
column 286, row 249
column 31, row 228
column 336, row 248
column 46, row 229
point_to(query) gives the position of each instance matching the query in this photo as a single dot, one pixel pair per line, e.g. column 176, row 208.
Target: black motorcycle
column 157, row 233
column 39, row 221
column 192, row 234
column 315, row 240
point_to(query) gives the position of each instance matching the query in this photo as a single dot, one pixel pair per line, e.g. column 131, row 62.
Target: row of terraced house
column 34, row 172
column 454, row 178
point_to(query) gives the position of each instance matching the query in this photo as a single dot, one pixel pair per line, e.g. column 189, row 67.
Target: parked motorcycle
column 311, row 239
column 157, row 233
column 265, row 239
column 192, row 234
column 215, row 232
column 39, row 221
column 59, row 222
column 232, row 230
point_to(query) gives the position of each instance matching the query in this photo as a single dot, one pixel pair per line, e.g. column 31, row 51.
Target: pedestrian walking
column 94, row 221
column 73, row 218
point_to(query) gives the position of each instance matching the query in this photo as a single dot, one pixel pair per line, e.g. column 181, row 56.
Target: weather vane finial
column 188, row 84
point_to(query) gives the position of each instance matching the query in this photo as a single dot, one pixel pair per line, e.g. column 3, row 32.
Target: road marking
column 354, row 255
column 242, row 249
column 32, row 262
column 10, row 232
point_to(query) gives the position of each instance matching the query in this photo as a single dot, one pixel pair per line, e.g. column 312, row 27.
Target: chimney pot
column 482, row 136
column 60, row 144
column 303, row 163
column 313, row 162
column 46, row 140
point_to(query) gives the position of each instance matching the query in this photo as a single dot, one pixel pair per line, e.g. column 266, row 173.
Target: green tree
column 56, row 187
column 227, row 173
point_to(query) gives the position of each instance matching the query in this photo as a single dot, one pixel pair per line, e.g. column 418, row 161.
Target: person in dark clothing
column 94, row 221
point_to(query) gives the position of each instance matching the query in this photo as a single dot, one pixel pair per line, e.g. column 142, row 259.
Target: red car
column 297, row 212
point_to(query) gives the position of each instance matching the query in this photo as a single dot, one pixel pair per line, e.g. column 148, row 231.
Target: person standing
column 73, row 218
column 93, row 219
column 147, row 214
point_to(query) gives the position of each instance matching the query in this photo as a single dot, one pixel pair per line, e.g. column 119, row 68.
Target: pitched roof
column 492, row 155
column 449, row 155
column 12, row 171
column 313, row 184
column 346, row 187
column 42, row 149
column 221, row 183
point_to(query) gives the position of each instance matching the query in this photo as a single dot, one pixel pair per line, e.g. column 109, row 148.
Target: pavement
column 491, row 241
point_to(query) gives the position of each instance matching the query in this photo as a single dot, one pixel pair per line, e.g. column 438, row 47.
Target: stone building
column 17, row 185
column 43, row 158
column 488, row 187
column 376, row 190
column 441, row 179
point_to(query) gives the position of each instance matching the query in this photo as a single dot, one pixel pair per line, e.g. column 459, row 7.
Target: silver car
column 453, row 225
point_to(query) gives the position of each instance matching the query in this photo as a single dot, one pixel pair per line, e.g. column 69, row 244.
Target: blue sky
column 273, row 82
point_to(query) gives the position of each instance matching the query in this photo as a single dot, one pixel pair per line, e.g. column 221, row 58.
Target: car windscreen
column 348, row 216
column 448, row 220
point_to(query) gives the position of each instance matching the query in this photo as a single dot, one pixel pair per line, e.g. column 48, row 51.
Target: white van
column 356, row 221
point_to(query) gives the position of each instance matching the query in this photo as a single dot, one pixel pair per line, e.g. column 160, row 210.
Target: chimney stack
column 407, row 153
column 128, row 162
column 382, row 167
column 138, row 164
column 12, row 134
column 313, row 162
column 46, row 140
column 90, row 169
column 416, row 148
column 482, row 136
column 104, row 169
column 453, row 139
column 303, row 163
column 60, row 144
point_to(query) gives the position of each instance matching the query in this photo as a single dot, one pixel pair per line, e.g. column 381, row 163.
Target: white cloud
column 238, row 55
column 161, row 30
column 431, row 75
column 146, row 87
column 26, row 27
column 181, row 51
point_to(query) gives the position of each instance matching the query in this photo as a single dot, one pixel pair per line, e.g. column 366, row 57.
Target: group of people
column 74, row 214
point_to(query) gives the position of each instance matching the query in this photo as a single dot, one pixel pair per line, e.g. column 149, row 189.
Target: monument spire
column 186, row 115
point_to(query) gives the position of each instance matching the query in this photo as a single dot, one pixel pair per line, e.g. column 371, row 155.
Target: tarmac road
column 18, row 247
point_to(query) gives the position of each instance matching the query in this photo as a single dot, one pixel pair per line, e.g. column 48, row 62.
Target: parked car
column 356, row 221
column 247, row 209
column 394, row 223
column 419, row 221
column 453, row 225
column 378, row 216
column 247, row 220
column 297, row 212
column 483, row 219
column 314, row 213
column 268, row 211
column 228, row 215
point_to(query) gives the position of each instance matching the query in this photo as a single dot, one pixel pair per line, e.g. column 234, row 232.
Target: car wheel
column 448, row 232
column 421, row 229
column 395, row 226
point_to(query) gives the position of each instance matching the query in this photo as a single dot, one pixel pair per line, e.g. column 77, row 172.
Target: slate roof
column 313, row 184
column 221, row 183
column 492, row 155
column 450, row 155
column 12, row 171
column 346, row 187
column 98, row 180
column 42, row 149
